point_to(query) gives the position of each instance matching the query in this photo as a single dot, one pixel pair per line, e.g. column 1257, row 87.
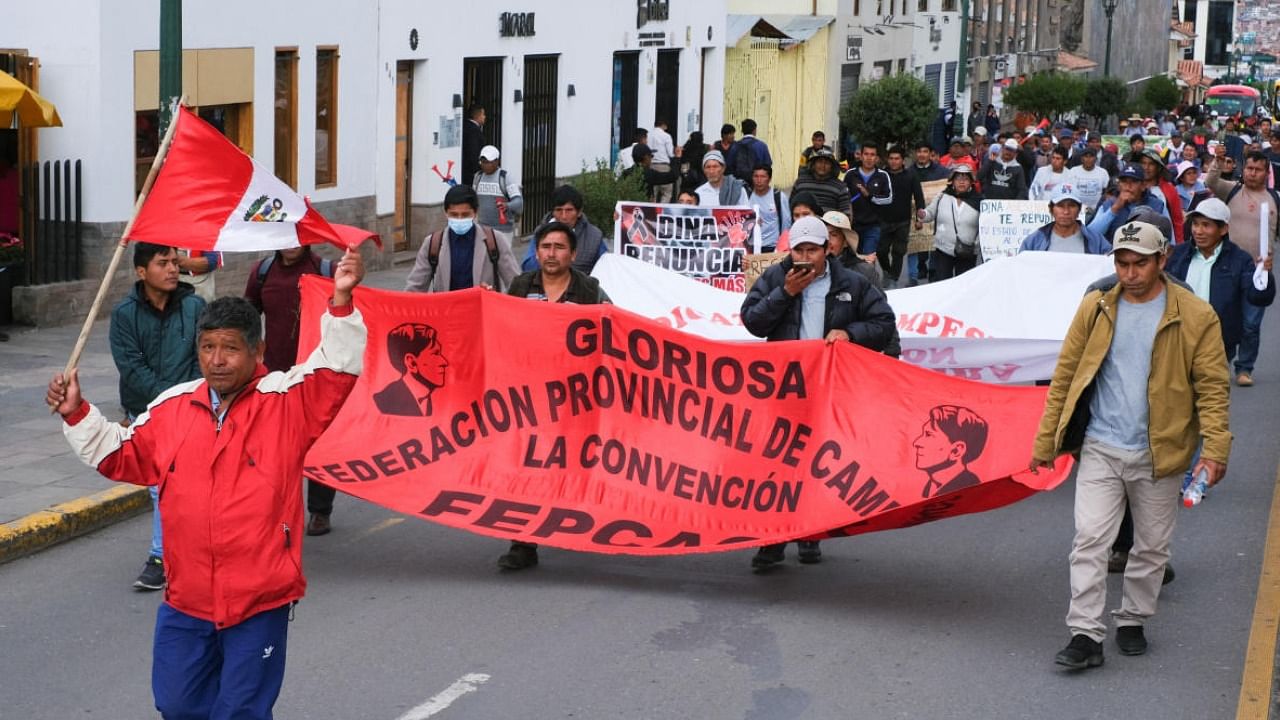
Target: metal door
column 667, row 95
column 538, row 173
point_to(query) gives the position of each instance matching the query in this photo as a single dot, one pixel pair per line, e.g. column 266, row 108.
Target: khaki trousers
column 663, row 193
column 1107, row 476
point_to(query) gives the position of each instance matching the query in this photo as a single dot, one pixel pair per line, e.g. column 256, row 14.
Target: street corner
column 64, row 521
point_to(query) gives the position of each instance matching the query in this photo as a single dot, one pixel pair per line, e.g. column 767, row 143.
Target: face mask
column 461, row 226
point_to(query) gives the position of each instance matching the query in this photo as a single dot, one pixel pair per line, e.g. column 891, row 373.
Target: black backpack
column 744, row 160
column 326, row 268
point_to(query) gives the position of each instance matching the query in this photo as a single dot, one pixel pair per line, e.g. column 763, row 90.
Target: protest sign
column 1122, row 141
column 1001, row 322
column 591, row 428
column 755, row 265
column 703, row 243
column 1004, row 224
column 922, row 240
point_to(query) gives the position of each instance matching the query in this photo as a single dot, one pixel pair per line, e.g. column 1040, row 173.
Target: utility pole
column 170, row 60
column 962, row 80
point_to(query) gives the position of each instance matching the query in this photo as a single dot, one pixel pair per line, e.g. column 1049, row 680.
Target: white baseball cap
column 489, row 153
column 808, row 230
column 1212, row 208
column 1011, row 144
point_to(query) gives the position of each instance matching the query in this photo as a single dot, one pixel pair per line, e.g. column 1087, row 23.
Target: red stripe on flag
column 202, row 180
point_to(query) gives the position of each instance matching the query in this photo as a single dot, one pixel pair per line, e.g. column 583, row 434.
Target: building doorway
column 626, row 89
column 538, row 173
column 482, row 85
column 400, row 231
column 667, row 95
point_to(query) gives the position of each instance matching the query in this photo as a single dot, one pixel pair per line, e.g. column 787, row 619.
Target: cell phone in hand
column 803, row 266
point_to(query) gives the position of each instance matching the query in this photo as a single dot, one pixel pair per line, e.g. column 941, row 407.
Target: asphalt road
column 956, row 619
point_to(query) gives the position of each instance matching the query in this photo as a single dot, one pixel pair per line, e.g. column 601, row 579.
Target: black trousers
column 944, row 267
column 893, row 248
column 320, row 498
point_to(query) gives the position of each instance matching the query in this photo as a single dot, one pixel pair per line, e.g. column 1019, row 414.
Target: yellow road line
column 388, row 523
column 1259, row 661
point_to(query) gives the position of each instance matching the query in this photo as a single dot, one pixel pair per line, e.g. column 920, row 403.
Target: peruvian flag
column 209, row 195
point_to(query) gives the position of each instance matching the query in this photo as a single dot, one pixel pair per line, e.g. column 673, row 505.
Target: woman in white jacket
column 955, row 237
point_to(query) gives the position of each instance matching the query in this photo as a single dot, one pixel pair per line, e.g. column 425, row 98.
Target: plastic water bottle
column 1194, row 493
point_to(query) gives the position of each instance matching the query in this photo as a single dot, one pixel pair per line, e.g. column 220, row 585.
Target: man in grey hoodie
column 499, row 193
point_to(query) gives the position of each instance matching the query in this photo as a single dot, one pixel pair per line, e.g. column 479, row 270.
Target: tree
column 1104, row 97
column 601, row 190
column 895, row 110
column 1047, row 94
column 1161, row 93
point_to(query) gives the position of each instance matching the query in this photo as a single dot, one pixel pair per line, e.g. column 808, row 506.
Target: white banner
column 1001, row 322
column 1004, row 224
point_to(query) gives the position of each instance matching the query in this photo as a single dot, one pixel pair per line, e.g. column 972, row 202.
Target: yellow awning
column 31, row 109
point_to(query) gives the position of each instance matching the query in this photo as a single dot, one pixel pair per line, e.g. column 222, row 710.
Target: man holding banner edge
column 810, row 296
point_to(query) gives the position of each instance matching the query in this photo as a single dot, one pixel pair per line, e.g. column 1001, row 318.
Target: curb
column 59, row 523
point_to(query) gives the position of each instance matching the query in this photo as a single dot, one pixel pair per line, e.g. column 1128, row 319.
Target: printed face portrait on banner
column 951, row 439
column 414, row 350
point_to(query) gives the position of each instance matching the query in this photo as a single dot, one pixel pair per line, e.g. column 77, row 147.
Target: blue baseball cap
column 1132, row 172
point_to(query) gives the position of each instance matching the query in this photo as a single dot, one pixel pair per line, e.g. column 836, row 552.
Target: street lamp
column 1108, row 7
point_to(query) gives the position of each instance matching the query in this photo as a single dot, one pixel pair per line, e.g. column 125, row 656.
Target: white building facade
column 354, row 103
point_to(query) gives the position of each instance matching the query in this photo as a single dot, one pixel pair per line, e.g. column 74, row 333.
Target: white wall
column 88, row 70
column 70, row 77
column 585, row 35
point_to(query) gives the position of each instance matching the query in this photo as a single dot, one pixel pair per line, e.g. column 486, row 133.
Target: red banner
column 592, row 428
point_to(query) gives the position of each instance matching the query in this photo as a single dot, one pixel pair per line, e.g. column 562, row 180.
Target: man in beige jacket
column 1141, row 380
column 465, row 253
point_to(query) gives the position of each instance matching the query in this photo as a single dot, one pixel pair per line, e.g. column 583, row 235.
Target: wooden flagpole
column 163, row 151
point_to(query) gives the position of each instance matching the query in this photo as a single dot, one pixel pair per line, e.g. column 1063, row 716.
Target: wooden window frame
column 332, row 140
column 293, row 116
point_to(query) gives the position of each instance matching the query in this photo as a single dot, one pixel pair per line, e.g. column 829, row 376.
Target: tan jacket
column 425, row 278
column 1188, row 391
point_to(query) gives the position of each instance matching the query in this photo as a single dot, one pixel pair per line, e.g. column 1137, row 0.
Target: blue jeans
column 913, row 264
column 157, row 539
column 1247, row 354
column 868, row 238
column 199, row 671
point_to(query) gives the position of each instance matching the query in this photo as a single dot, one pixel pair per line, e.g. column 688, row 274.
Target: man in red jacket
column 226, row 452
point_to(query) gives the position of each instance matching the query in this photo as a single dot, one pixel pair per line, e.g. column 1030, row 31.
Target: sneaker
column 1169, row 575
column 152, row 575
column 1131, row 640
column 1117, row 561
column 520, row 556
column 1244, row 379
column 318, row 524
column 1080, row 653
column 768, row 556
column 810, row 553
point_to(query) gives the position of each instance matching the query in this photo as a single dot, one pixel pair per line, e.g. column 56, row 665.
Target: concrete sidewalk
column 46, row 494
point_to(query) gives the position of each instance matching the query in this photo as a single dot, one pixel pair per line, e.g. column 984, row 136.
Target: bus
column 1233, row 100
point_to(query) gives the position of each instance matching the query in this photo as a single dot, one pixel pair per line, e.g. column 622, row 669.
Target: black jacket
column 869, row 207
column 472, row 141
column 1003, row 182
column 906, row 188
column 853, row 305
